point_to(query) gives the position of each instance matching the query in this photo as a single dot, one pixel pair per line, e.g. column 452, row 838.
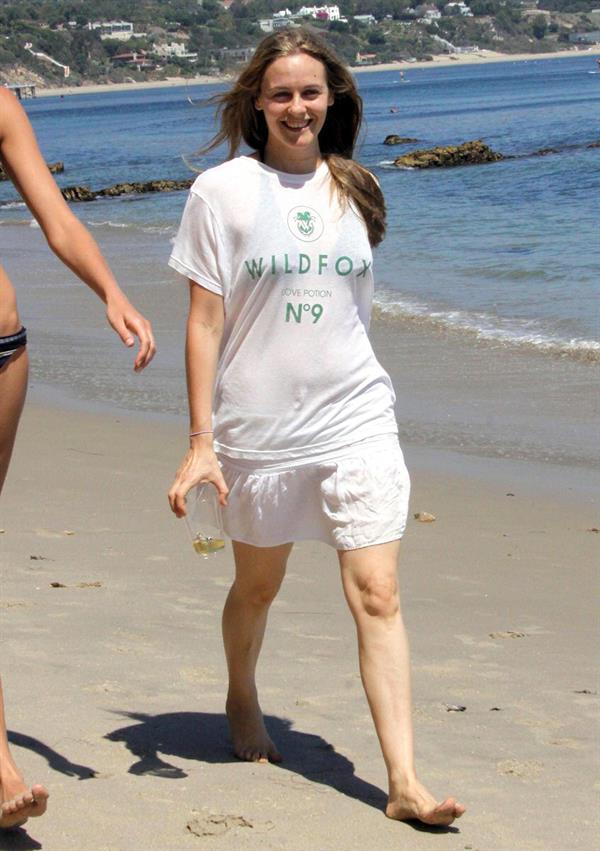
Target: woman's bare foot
column 18, row 802
column 413, row 801
column 251, row 742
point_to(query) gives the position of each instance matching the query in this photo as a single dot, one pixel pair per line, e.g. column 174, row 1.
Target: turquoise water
column 508, row 251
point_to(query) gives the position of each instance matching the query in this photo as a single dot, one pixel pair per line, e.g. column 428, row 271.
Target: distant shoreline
column 481, row 57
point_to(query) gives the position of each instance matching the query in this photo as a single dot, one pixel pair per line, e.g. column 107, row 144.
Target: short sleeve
column 198, row 249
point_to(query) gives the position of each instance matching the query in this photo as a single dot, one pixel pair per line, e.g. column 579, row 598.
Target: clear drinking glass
column 204, row 520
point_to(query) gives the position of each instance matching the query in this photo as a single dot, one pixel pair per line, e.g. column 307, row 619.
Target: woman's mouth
column 296, row 126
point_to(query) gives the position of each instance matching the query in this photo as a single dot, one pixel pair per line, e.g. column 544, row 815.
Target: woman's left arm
column 65, row 234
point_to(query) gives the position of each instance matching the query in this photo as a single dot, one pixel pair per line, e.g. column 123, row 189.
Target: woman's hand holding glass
column 199, row 465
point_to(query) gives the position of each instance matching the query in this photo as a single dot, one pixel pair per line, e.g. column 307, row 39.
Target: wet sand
column 113, row 665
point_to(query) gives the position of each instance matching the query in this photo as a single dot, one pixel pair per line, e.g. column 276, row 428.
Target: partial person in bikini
column 76, row 248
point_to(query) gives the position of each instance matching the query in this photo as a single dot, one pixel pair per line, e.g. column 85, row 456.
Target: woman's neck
column 305, row 163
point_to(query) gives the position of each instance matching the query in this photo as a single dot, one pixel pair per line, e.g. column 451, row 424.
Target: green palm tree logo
column 305, row 223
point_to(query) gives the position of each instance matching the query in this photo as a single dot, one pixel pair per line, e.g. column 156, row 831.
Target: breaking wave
column 522, row 333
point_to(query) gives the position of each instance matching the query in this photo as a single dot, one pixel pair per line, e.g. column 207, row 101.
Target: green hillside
column 210, row 36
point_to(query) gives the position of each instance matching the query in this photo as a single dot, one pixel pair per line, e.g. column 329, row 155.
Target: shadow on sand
column 204, row 737
column 55, row 760
column 18, row 839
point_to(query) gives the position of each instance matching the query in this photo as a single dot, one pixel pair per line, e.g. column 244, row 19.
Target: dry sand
column 479, row 57
column 115, row 678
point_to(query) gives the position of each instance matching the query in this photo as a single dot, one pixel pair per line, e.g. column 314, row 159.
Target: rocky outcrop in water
column 84, row 193
column 78, row 193
column 149, row 186
column 393, row 139
column 55, row 168
column 469, row 153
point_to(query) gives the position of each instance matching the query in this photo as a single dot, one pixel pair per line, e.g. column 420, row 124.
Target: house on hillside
column 117, row 30
column 138, row 59
column 174, row 49
column 320, row 13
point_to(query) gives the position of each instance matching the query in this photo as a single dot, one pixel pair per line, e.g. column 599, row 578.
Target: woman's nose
column 297, row 104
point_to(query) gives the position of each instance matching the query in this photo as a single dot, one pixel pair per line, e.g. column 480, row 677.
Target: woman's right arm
column 204, row 332
column 65, row 234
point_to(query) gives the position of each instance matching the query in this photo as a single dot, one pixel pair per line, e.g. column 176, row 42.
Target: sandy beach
column 476, row 58
column 115, row 674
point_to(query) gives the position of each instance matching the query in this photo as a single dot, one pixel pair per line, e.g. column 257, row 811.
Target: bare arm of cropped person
column 204, row 332
column 65, row 234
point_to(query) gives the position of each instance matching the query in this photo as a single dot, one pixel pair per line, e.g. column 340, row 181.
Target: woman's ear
column 330, row 99
column 258, row 105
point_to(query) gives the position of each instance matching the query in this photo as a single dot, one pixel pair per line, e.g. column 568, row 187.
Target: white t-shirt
column 297, row 377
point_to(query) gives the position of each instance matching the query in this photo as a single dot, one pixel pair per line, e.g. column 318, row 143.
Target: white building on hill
column 323, row 13
column 117, row 30
column 175, row 48
column 460, row 7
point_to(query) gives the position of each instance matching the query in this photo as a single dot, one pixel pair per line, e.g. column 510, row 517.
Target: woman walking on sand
column 277, row 250
column 72, row 243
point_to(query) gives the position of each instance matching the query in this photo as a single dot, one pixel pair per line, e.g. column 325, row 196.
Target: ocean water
column 494, row 264
column 509, row 250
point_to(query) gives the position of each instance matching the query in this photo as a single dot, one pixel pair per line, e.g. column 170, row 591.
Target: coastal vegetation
column 56, row 42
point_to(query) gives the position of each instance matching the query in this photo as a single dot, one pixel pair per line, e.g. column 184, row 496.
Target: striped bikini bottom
column 10, row 344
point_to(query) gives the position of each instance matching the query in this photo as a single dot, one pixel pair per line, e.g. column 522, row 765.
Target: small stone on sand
column 425, row 517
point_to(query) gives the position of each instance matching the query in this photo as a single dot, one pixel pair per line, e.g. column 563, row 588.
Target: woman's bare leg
column 371, row 588
column 259, row 572
column 17, row 801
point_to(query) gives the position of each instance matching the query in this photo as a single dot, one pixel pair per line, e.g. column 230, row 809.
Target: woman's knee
column 259, row 593
column 376, row 595
column 259, row 572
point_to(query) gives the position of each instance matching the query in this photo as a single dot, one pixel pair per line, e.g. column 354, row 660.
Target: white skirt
column 357, row 499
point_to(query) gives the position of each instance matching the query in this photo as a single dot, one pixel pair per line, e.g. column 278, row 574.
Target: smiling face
column 294, row 98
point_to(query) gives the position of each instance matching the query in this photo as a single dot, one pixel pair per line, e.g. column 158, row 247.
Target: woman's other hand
column 129, row 323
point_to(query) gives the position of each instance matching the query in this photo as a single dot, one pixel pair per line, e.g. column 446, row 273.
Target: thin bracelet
column 194, row 433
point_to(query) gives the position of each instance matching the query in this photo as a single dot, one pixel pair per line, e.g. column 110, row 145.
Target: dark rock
column 77, row 193
column 392, row 139
column 55, row 168
column 84, row 193
column 543, row 152
column 595, row 144
column 469, row 153
column 149, row 186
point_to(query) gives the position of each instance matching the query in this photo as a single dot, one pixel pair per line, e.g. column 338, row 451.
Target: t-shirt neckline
column 289, row 177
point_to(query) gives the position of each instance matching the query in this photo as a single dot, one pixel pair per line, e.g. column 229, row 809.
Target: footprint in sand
column 573, row 744
column 508, row 634
column 51, row 533
column 207, row 676
column 524, row 770
column 216, row 824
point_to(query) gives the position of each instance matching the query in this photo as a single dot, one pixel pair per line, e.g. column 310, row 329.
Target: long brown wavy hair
column 240, row 120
